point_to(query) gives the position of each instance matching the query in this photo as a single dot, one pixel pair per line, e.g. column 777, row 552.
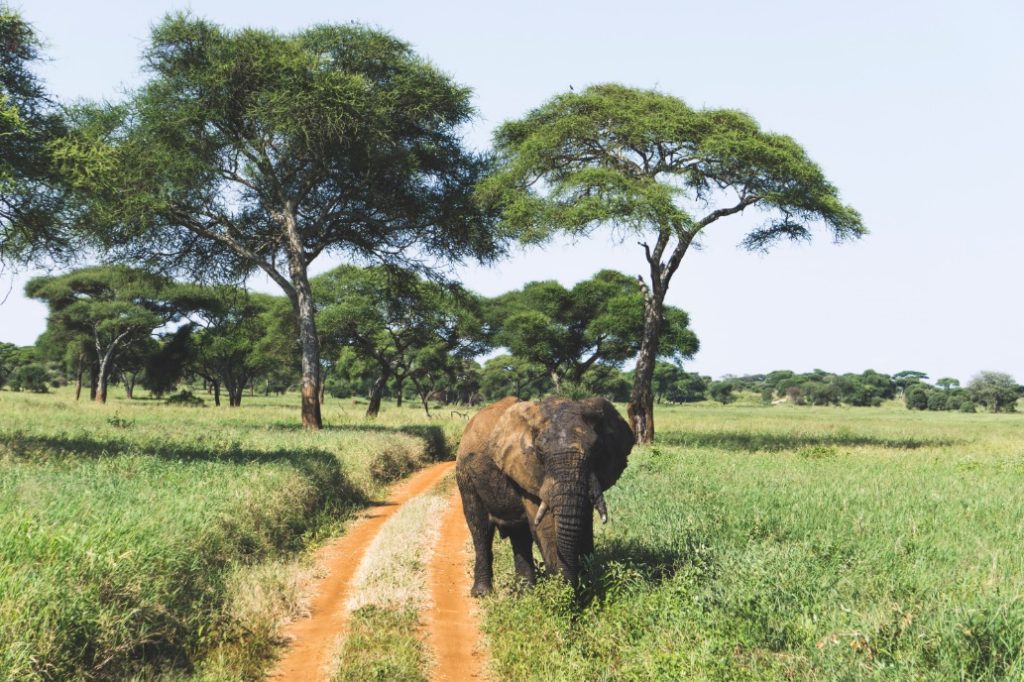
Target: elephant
column 535, row 471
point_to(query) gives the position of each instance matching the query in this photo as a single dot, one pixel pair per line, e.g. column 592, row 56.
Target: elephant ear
column 614, row 440
column 512, row 446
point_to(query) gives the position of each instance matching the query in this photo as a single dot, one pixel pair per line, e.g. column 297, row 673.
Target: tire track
column 314, row 640
column 452, row 629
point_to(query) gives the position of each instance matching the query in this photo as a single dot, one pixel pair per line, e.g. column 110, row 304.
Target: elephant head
column 563, row 454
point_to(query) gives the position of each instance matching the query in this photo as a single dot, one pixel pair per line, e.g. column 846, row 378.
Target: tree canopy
column 33, row 223
column 252, row 150
column 644, row 163
column 569, row 331
column 110, row 307
column 409, row 327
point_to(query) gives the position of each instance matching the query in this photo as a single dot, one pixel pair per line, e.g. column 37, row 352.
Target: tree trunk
column 301, row 296
column 376, row 392
column 216, row 393
column 102, row 380
column 129, row 384
column 399, row 390
column 641, row 400
column 94, row 374
column 78, row 382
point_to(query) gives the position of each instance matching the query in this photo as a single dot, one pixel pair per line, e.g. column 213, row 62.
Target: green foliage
column 505, row 375
column 613, row 155
column 185, row 399
column 722, row 391
column 997, row 391
column 31, row 376
column 12, row 359
column 405, row 326
column 675, row 385
column 245, row 149
column 33, row 216
column 569, row 331
column 916, row 398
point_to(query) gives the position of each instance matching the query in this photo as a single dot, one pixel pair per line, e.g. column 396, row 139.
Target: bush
column 968, row 406
column 185, row 399
column 391, row 465
column 916, row 398
column 937, row 401
column 721, row 391
column 31, row 377
column 997, row 391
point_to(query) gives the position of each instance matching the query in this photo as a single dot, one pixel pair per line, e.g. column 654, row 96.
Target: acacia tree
column 227, row 328
column 644, row 163
column 408, row 326
column 568, row 331
column 115, row 306
column 32, row 220
column 251, row 150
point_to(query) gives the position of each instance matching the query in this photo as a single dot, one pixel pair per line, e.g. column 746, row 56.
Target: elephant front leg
column 481, row 528
column 522, row 552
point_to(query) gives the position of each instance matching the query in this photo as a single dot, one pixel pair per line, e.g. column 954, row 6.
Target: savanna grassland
column 792, row 543
column 144, row 541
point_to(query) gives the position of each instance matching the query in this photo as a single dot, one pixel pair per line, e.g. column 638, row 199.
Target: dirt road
column 451, row 622
column 314, row 640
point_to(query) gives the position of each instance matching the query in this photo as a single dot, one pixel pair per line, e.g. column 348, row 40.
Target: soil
column 452, row 631
column 314, row 640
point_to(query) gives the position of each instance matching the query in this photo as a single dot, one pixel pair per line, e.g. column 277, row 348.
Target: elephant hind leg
column 481, row 528
column 522, row 551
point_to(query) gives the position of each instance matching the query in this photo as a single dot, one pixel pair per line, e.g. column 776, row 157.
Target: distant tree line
column 390, row 332
column 382, row 331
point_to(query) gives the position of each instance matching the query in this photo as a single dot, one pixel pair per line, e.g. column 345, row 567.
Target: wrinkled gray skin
column 535, row 472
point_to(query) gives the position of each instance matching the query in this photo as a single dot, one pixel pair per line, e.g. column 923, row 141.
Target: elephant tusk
column 597, row 496
column 602, row 510
column 541, row 511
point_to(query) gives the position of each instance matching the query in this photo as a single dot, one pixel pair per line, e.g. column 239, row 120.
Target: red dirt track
column 451, row 622
column 314, row 640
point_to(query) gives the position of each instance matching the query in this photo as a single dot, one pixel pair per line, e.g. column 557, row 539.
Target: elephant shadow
column 622, row 565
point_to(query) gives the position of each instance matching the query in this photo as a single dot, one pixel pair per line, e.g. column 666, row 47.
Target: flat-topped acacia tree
column 643, row 162
column 254, row 151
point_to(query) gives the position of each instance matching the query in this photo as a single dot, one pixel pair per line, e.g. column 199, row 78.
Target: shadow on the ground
column 621, row 565
column 767, row 441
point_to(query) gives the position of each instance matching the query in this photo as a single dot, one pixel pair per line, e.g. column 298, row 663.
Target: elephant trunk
column 572, row 505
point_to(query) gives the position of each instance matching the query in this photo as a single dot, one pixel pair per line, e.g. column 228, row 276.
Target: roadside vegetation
column 148, row 540
column 816, row 543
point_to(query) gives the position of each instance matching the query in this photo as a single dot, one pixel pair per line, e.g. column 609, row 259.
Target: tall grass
column 140, row 540
column 793, row 543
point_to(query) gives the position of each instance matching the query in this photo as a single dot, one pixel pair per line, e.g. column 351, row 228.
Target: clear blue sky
column 913, row 109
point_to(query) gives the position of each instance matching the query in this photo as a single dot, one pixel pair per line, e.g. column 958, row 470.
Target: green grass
column 140, row 541
column 792, row 543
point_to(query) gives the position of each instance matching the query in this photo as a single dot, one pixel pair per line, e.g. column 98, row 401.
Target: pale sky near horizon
column 913, row 109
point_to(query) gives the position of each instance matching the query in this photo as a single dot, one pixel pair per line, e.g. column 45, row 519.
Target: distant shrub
column 721, row 391
column 937, row 401
column 968, row 406
column 185, row 399
column 31, row 377
column 391, row 464
column 916, row 398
